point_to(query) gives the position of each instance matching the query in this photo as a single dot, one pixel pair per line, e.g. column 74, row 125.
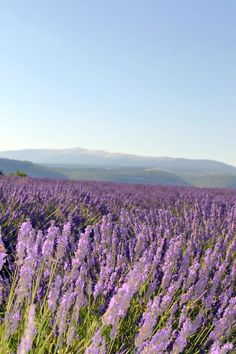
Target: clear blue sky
column 153, row 77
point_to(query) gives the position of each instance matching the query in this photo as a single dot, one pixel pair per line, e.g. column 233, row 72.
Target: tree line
column 17, row 173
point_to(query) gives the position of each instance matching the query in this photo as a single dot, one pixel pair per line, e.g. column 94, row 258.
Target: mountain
column 121, row 175
column 97, row 158
column 11, row 166
column 98, row 165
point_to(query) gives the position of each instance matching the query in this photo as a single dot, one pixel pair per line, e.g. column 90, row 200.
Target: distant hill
column 213, row 180
column 148, row 176
column 123, row 175
column 11, row 166
column 97, row 158
column 84, row 164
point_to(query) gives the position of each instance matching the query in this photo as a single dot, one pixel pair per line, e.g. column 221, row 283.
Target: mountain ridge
column 80, row 156
column 83, row 164
column 135, row 175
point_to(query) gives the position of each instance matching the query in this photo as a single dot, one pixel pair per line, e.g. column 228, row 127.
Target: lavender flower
column 2, row 252
column 48, row 245
column 218, row 349
column 119, row 303
column 70, row 335
column 63, row 241
column 21, row 246
column 149, row 319
column 25, row 279
column 158, row 343
column 98, row 344
column 27, row 339
column 63, row 310
column 12, row 321
column 189, row 327
column 54, row 293
column 226, row 322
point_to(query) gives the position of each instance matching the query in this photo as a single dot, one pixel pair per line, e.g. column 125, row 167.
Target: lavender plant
column 90, row 267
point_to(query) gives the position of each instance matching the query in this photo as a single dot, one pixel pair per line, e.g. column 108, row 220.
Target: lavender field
column 95, row 268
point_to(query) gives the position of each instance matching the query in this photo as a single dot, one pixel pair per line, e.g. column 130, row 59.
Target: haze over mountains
column 80, row 163
column 79, row 156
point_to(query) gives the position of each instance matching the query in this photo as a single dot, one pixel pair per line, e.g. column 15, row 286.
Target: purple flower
column 54, row 293
column 14, row 322
column 62, row 241
column 25, row 277
column 189, row 327
column 149, row 319
column 63, row 310
column 224, row 325
column 2, row 252
column 70, row 335
column 218, row 349
column 158, row 343
column 27, row 339
column 98, row 344
column 120, row 302
column 21, row 246
column 48, row 245
column 82, row 249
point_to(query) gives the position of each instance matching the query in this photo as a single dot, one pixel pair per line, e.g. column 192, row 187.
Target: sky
column 153, row 77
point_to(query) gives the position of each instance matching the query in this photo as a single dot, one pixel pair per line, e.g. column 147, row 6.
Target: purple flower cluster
column 145, row 269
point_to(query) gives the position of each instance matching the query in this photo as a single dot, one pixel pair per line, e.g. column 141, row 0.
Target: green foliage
column 21, row 173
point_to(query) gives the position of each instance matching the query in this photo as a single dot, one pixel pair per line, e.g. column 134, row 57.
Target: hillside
column 92, row 158
column 181, row 172
column 123, row 175
column 213, row 180
column 11, row 166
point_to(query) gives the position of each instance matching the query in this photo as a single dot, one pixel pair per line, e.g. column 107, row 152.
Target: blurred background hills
column 83, row 164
